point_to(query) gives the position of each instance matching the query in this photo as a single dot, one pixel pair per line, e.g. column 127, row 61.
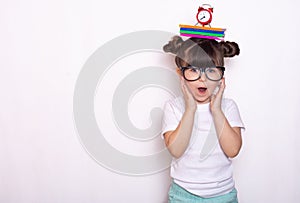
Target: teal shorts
column 178, row 194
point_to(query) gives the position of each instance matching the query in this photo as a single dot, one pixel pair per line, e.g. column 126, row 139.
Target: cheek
column 190, row 85
column 212, row 86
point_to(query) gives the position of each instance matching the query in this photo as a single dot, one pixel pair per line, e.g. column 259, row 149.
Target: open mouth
column 202, row 90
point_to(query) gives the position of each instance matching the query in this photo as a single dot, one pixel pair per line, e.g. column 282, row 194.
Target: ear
column 178, row 71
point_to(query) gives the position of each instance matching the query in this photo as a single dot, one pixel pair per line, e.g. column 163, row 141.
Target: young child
column 202, row 130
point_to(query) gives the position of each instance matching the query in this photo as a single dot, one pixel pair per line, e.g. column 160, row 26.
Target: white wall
column 43, row 47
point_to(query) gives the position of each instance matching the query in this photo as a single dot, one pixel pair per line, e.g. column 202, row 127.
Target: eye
column 211, row 70
column 192, row 69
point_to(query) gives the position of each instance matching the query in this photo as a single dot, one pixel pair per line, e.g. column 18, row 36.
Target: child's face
column 202, row 89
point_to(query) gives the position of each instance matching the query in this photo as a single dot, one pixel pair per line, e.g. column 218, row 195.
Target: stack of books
column 202, row 32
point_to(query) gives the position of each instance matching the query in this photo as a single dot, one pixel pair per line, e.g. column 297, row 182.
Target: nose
column 202, row 76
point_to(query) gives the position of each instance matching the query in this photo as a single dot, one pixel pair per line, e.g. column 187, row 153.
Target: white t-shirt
column 203, row 169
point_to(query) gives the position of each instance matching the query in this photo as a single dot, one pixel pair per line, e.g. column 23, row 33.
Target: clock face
column 204, row 17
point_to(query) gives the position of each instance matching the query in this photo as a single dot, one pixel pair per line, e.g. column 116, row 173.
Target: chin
column 203, row 100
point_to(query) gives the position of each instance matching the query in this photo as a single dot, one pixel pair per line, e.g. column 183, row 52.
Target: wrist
column 190, row 110
column 216, row 112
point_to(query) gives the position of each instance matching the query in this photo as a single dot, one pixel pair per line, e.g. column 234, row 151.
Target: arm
column 229, row 137
column 178, row 140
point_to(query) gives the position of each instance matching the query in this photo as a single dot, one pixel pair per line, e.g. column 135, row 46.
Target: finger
column 213, row 97
column 181, row 80
column 182, row 83
column 223, row 83
column 186, row 93
column 221, row 88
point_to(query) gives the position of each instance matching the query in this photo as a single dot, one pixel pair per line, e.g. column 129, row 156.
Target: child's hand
column 216, row 100
column 190, row 102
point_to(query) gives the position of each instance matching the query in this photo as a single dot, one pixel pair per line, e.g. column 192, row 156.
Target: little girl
column 202, row 130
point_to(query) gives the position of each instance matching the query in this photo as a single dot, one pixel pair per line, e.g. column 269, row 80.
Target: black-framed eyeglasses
column 192, row 73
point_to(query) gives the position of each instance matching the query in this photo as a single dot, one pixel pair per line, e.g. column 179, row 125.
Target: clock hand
column 202, row 17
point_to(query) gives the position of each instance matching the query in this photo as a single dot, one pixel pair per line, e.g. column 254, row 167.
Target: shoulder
column 173, row 109
column 228, row 103
column 176, row 103
column 232, row 113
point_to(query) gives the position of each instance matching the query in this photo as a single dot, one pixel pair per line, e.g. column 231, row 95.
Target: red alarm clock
column 204, row 15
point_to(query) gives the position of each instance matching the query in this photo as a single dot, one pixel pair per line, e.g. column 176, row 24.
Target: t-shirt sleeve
column 233, row 115
column 170, row 119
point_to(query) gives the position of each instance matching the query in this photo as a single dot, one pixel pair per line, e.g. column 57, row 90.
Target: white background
column 43, row 46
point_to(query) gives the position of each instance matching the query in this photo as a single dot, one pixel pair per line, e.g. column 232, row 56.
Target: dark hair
column 200, row 52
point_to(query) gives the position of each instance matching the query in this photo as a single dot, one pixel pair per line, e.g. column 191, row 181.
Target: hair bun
column 174, row 45
column 230, row 49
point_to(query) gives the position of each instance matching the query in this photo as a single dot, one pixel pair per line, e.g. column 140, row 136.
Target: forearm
column 229, row 138
column 178, row 140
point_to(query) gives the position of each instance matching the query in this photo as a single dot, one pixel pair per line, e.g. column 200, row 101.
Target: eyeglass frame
column 201, row 71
